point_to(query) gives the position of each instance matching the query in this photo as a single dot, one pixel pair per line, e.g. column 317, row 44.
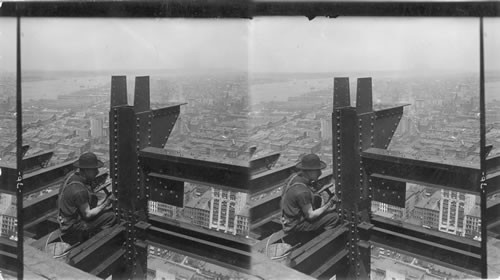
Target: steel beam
column 262, row 182
column 386, row 123
column 123, row 159
column 233, row 174
column 8, row 263
column 341, row 94
column 493, row 217
column 312, row 256
column 8, row 179
column 364, row 98
column 109, row 265
column 461, row 178
column 455, row 252
column 142, row 94
column 40, row 179
column 8, row 256
column 118, row 91
column 162, row 123
column 218, row 248
column 263, row 163
column 39, row 207
column 347, row 167
column 336, row 266
column 89, row 255
column 36, row 161
column 264, row 209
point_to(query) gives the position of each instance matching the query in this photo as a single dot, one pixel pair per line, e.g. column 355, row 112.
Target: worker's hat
column 310, row 162
column 88, row 160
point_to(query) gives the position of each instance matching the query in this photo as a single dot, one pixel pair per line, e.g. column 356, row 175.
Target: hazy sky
column 102, row 44
column 367, row 43
column 265, row 44
column 8, row 44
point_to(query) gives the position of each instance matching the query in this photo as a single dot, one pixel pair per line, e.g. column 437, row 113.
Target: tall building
column 225, row 206
column 473, row 223
column 96, row 127
column 427, row 210
column 8, row 215
column 326, row 129
column 453, row 208
column 162, row 209
column 8, row 222
column 198, row 210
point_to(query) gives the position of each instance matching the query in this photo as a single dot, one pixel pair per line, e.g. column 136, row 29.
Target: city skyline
column 219, row 122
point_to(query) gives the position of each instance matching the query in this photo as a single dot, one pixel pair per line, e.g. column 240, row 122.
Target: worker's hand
column 107, row 203
column 333, row 205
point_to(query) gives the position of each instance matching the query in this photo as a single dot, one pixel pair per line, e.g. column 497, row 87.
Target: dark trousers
column 85, row 229
column 325, row 221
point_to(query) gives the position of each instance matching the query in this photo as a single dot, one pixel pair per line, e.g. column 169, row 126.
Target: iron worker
column 300, row 208
column 80, row 214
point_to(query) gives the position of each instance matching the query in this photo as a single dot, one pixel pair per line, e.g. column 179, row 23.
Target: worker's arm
column 89, row 213
column 311, row 214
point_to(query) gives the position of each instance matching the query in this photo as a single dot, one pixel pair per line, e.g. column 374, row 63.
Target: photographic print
column 271, row 146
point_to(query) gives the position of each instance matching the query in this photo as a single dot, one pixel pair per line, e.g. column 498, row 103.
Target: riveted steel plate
column 165, row 190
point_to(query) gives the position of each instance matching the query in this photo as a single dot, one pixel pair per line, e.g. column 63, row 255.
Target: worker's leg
column 104, row 220
column 77, row 233
column 326, row 221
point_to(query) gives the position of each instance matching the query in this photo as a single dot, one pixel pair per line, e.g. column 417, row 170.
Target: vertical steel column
column 483, row 184
column 19, row 156
column 341, row 99
column 365, row 126
column 125, row 174
column 350, row 177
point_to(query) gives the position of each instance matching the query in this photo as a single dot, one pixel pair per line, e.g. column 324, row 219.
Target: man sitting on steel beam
column 301, row 209
column 80, row 214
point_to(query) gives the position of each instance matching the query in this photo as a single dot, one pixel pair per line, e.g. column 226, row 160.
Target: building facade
column 454, row 206
column 225, row 206
column 96, row 127
column 162, row 209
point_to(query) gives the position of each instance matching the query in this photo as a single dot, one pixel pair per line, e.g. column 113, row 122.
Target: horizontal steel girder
column 441, row 248
column 8, row 179
column 39, row 207
column 313, row 255
column 8, row 171
column 42, row 178
column 8, row 256
column 393, row 167
column 233, row 174
column 90, row 255
column 36, row 161
column 264, row 181
column 219, row 248
column 263, row 163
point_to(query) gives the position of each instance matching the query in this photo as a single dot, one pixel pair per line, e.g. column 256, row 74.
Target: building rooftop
column 475, row 211
column 200, row 202
column 430, row 203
